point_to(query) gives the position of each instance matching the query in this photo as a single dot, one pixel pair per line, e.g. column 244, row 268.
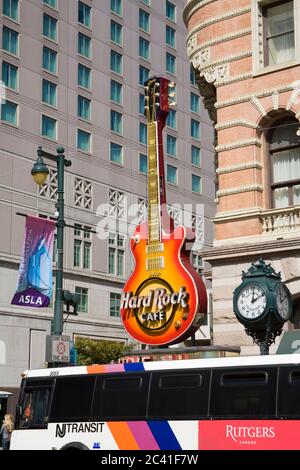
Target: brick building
column 246, row 56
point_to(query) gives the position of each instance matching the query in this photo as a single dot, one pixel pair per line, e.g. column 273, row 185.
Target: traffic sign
column 290, row 343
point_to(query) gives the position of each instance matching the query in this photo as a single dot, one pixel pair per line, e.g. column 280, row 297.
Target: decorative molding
column 275, row 100
column 258, row 106
column 239, row 167
column 218, row 19
column 294, row 96
column 240, row 189
column 236, row 78
column 238, row 144
column 212, row 74
column 192, row 6
column 236, row 123
column 192, row 41
column 196, row 59
column 201, row 59
column 260, row 94
column 191, row 44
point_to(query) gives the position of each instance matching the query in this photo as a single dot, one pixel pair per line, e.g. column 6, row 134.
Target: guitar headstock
column 159, row 96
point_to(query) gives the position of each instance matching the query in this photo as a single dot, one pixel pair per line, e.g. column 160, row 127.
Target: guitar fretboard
column 154, row 219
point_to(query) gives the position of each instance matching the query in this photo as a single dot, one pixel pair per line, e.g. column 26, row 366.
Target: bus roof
column 168, row 365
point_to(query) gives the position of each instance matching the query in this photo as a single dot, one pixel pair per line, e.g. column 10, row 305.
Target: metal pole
column 57, row 325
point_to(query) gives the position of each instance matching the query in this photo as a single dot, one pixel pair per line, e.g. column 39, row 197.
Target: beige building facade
column 246, row 56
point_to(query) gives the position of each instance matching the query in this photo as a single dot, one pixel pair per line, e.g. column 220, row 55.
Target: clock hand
column 254, row 300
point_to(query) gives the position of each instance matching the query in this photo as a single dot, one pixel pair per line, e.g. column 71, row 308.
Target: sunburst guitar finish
column 164, row 301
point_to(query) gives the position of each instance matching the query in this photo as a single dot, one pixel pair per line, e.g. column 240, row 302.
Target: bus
column 210, row 404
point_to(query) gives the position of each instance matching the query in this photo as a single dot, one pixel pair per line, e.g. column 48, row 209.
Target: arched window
column 285, row 163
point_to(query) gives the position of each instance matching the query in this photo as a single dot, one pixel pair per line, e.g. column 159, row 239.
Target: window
column 83, row 193
column 9, row 112
column 67, row 404
column 143, row 134
column 144, row 48
column 171, row 119
column 192, row 76
column 116, row 62
column 190, row 389
column 116, row 32
column 83, row 140
column 243, row 393
column 141, row 104
column 143, row 75
column 82, row 247
column 84, row 108
column 116, row 122
column 285, row 164
column 51, row 3
column 196, row 155
column 84, row 76
column 84, row 14
column 195, row 103
column 143, row 164
column 116, row 254
column 171, row 174
column 170, row 36
column 146, row 1
column 171, row 145
column 49, row 93
column 133, row 390
column 279, row 33
column 144, row 20
column 196, row 184
column 114, row 304
column 84, row 45
column 49, row 60
column 116, row 153
column 195, row 129
column 116, row 91
column 49, row 127
column 49, row 27
column 10, row 41
column 10, row 75
column 197, row 263
column 170, row 63
column 35, row 404
column 11, row 9
column 83, row 293
column 117, row 203
column 170, row 11
column 116, row 6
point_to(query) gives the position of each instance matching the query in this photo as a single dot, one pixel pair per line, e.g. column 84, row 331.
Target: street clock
column 262, row 303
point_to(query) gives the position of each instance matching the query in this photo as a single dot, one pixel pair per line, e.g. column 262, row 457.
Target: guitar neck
column 156, row 181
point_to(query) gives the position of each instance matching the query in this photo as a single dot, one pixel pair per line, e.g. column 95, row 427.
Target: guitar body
column 179, row 321
column 164, row 301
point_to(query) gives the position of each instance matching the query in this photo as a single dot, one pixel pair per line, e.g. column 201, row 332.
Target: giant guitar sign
column 164, row 301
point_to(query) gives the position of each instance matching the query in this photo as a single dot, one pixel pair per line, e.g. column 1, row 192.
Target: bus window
column 289, row 386
column 34, row 406
column 179, row 395
column 72, row 399
column 121, row 397
column 243, row 393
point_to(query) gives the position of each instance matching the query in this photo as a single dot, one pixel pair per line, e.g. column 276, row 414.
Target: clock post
column 262, row 303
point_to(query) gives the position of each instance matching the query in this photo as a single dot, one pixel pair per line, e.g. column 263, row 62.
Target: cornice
column 249, row 249
column 218, row 19
column 260, row 94
column 240, row 189
column 192, row 6
column 238, row 144
column 224, row 60
column 239, row 167
column 236, row 123
column 220, row 39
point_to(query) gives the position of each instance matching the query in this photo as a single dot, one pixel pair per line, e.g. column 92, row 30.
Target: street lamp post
column 40, row 173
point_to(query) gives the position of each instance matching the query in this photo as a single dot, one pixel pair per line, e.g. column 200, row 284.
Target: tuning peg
column 146, row 88
column 157, row 85
column 171, row 85
column 172, row 104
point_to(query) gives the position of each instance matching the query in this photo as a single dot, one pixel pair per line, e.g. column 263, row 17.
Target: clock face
column 251, row 302
column 283, row 302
